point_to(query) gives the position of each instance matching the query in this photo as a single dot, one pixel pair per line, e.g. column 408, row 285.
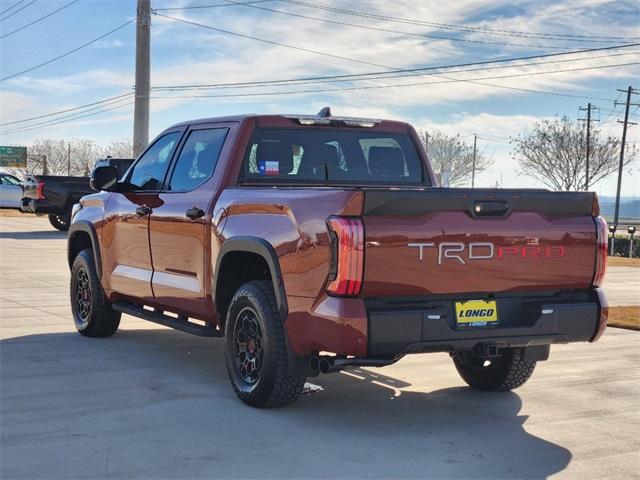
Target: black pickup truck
column 55, row 195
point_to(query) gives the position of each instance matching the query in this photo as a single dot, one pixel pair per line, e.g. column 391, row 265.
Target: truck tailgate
column 448, row 241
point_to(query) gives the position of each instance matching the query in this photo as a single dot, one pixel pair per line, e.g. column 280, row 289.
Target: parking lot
column 150, row 402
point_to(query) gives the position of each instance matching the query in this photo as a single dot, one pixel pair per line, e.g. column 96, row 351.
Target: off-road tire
column 99, row 319
column 506, row 372
column 274, row 385
column 60, row 222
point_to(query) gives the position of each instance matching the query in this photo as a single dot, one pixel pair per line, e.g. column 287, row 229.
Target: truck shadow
column 36, row 235
column 157, row 403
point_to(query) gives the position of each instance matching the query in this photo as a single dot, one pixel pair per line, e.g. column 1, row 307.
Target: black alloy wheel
column 248, row 342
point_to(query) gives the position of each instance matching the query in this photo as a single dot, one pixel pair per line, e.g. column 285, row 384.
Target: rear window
column 331, row 157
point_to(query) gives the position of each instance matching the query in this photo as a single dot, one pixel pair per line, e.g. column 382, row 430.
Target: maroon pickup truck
column 318, row 243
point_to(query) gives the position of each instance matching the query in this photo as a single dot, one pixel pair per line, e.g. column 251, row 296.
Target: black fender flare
column 87, row 227
column 263, row 248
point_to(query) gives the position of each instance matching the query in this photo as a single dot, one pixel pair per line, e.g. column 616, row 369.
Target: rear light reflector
column 348, row 256
column 602, row 238
column 39, row 193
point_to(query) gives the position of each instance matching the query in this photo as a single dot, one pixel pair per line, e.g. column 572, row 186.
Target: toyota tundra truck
column 315, row 243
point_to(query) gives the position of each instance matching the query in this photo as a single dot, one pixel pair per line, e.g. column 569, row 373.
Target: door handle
column 144, row 210
column 194, row 213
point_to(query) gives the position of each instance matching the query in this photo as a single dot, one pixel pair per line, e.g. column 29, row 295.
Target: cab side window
column 198, row 159
column 148, row 173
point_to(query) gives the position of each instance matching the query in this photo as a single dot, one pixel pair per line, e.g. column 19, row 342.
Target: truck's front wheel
column 507, row 371
column 92, row 313
column 256, row 351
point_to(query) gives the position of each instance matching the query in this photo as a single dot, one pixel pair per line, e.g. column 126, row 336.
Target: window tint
column 198, row 158
column 327, row 156
column 148, row 173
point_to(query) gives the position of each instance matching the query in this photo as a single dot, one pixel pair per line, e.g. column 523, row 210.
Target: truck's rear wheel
column 507, row 371
column 92, row 313
column 256, row 351
column 60, row 222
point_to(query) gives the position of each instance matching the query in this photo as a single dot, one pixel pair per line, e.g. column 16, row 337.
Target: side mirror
column 104, row 178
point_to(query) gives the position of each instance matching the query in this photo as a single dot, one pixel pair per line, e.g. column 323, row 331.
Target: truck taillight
column 602, row 238
column 39, row 192
column 348, row 255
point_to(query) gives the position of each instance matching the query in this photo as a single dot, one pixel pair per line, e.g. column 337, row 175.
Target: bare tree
column 118, row 149
column 554, row 152
column 75, row 157
column 452, row 158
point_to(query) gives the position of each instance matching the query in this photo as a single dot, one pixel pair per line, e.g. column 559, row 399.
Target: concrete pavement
column 154, row 403
column 622, row 286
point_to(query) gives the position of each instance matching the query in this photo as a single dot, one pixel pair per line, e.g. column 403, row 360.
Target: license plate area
column 476, row 313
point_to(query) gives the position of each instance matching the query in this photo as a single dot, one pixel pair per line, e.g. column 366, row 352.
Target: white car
column 10, row 191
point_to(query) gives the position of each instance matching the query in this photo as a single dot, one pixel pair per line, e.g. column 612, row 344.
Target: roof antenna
column 324, row 113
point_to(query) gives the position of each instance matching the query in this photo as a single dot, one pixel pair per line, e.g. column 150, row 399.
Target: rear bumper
column 39, row 207
column 524, row 321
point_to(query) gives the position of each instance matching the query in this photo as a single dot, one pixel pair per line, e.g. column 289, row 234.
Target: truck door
column 126, row 255
column 179, row 232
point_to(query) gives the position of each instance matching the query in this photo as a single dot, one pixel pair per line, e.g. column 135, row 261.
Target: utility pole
column 473, row 166
column 143, row 68
column 625, row 124
column 69, row 158
column 589, row 108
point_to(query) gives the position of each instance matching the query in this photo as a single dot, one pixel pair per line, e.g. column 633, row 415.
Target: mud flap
column 536, row 353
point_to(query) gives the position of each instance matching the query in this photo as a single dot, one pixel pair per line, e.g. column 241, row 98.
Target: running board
column 181, row 323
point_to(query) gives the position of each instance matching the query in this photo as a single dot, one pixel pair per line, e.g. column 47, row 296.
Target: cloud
column 106, row 44
column 15, row 105
column 73, row 84
column 497, row 108
column 483, row 124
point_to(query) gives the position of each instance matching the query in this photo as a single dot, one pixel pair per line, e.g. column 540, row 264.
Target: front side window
column 328, row 156
column 148, row 173
column 198, row 159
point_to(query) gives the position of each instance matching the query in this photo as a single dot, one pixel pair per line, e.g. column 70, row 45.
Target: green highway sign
column 13, row 156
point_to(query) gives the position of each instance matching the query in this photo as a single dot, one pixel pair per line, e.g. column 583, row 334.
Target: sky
column 320, row 38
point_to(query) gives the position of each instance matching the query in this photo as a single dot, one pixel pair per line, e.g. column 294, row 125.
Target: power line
column 372, row 87
column 58, row 121
column 69, row 117
column 116, row 104
column 66, row 110
column 387, row 75
column 83, row 114
column 380, row 29
column 67, row 53
column 494, row 140
column 612, row 111
column 342, row 78
column 11, row 7
column 354, row 76
column 19, row 10
column 445, row 26
column 394, row 69
column 195, row 7
column 39, row 19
